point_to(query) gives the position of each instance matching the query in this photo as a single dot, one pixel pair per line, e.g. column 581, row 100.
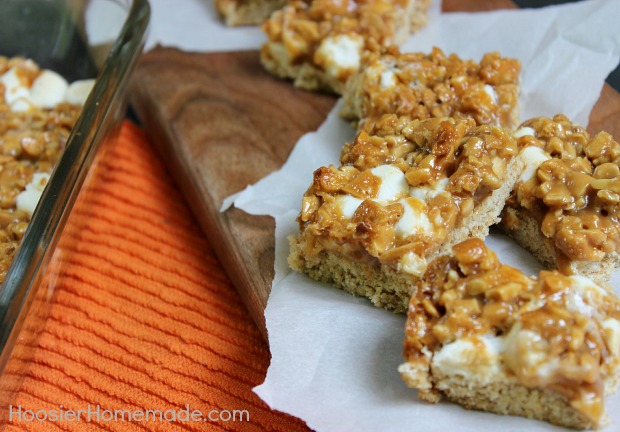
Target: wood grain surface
column 222, row 123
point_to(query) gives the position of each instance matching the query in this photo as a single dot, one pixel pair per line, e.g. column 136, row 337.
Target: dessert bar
column 565, row 207
column 319, row 43
column 406, row 191
column 488, row 337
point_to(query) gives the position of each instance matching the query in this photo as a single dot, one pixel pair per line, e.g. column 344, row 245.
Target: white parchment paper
column 334, row 357
column 194, row 25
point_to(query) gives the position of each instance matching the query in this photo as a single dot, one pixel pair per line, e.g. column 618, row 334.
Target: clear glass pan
column 100, row 39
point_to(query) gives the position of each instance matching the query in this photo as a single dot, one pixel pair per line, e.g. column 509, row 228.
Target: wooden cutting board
column 222, row 123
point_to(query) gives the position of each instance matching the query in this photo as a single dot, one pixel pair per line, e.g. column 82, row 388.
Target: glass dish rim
column 94, row 125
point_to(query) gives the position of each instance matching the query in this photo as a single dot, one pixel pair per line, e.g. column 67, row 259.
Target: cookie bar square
column 319, row 43
column 566, row 205
column 406, row 191
column 247, row 12
column 484, row 335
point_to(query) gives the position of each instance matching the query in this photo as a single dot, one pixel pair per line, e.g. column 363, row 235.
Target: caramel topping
column 30, row 142
column 303, row 24
column 435, row 170
column 422, row 86
column 365, row 185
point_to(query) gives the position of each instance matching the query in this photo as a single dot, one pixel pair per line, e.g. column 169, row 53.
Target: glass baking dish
column 79, row 39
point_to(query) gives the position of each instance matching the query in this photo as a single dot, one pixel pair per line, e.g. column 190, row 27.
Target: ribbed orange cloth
column 142, row 318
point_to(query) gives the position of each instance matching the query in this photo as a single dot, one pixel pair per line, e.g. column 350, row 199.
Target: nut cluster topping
column 30, row 142
column 435, row 149
column 576, row 193
column 555, row 329
column 309, row 32
column 423, row 85
column 303, row 24
column 440, row 168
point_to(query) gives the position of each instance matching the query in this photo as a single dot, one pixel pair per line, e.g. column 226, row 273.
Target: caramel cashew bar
column 565, row 208
column 247, row 12
column 319, row 43
column 486, row 336
column 406, row 191
column 422, row 85
column 38, row 109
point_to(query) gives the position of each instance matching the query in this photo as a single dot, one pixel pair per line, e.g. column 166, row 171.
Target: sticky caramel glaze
column 470, row 160
column 302, row 25
column 30, row 142
column 472, row 293
column 575, row 195
column 439, row 85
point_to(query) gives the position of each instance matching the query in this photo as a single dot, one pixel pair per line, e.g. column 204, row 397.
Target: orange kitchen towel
column 143, row 329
